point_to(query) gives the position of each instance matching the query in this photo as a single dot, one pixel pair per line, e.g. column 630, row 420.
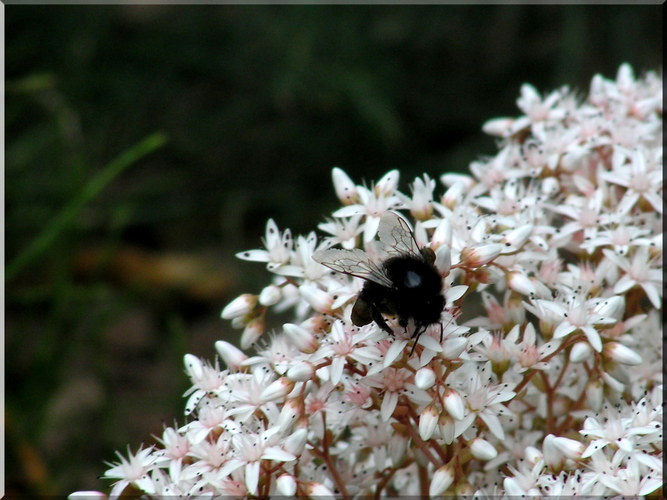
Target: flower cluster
column 544, row 377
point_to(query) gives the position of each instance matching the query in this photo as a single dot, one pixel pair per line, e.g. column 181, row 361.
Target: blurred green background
column 146, row 145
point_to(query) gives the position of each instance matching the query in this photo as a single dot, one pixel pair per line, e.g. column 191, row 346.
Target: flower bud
column 454, row 404
column 581, row 351
column 318, row 299
column 477, row 256
column 252, row 332
column 87, row 495
column 427, row 422
column 516, row 238
column 621, row 354
column 301, row 372
column 424, row 378
column 549, row 186
column 193, row 366
column 454, row 195
column 314, row 489
column 304, row 340
column 286, row 485
column 482, row 449
column 569, row 447
column 594, row 394
column 289, row 413
column 277, row 390
column 499, row 127
column 240, row 306
column 521, row 283
column 442, row 479
column 270, row 295
column 230, row 354
column 533, row 455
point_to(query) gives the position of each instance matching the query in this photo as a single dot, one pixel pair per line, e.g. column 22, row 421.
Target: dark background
column 257, row 103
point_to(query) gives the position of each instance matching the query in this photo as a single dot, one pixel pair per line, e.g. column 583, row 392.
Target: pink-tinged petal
column 277, row 390
column 278, row 454
column 512, row 488
column 595, row 445
column 454, row 293
column 229, row 467
column 650, row 485
column 254, row 255
column 624, row 284
column 652, row 294
column 388, row 183
column 442, row 236
column 394, row 352
column 493, row 423
column 388, row 405
column 454, row 195
column 649, row 461
column 654, row 199
column 349, row 211
column 252, row 477
column 336, row 369
column 613, row 383
column 521, row 283
column 593, row 337
column 563, row 329
column 443, row 259
column 628, row 201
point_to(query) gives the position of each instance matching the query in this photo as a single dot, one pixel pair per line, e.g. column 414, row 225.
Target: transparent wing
column 354, row 262
column 396, row 236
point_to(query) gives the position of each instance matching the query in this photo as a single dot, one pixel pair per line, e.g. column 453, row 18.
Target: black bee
column 402, row 281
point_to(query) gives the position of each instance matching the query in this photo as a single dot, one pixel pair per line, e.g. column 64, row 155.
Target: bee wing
column 354, row 262
column 396, row 236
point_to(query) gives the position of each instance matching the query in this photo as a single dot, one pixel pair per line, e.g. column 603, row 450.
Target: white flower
column 550, row 253
column 278, row 248
column 133, row 470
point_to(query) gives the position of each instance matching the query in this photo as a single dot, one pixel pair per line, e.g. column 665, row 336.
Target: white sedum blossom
column 545, row 378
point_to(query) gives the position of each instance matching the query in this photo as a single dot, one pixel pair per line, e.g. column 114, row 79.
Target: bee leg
column 416, row 335
column 441, row 332
column 379, row 320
